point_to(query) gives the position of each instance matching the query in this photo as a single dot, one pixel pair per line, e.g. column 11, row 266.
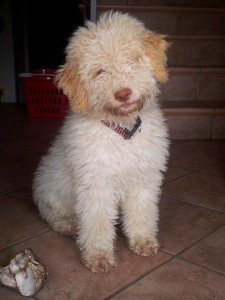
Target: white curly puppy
column 110, row 153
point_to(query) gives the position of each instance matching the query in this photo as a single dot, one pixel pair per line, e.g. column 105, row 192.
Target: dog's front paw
column 99, row 263
column 144, row 246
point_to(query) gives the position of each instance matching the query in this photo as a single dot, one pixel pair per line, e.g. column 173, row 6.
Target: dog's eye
column 99, row 72
column 137, row 59
column 134, row 60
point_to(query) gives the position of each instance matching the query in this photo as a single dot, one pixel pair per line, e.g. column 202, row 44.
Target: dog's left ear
column 68, row 79
column 155, row 48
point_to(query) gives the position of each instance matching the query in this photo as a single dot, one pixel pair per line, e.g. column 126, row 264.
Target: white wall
column 7, row 68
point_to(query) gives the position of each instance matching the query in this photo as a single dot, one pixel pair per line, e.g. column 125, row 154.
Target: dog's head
column 113, row 65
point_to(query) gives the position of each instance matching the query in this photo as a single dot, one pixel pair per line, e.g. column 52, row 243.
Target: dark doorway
column 50, row 24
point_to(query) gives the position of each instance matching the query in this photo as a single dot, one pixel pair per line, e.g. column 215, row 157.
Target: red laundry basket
column 42, row 97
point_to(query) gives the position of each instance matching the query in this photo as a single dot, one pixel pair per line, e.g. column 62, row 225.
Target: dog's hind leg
column 61, row 218
column 65, row 225
column 60, row 221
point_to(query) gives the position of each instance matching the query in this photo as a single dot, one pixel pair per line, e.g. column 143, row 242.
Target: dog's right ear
column 68, row 79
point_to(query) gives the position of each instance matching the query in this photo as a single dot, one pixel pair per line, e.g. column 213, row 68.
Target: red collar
column 126, row 133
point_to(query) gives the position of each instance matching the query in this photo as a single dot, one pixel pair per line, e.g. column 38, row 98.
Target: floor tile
column 190, row 126
column 217, row 169
column 28, row 138
column 181, row 224
column 194, row 155
column 26, row 147
column 213, row 148
column 210, row 252
column 23, row 194
column 218, row 125
column 174, row 173
column 15, row 173
column 18, row 221
column 192, row 220
column 8, row 294
column 26, row 150
column 177, row 280
column 198, row 188
column 69, row 279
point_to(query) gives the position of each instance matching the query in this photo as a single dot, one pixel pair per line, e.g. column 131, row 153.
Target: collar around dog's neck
column 123, row 131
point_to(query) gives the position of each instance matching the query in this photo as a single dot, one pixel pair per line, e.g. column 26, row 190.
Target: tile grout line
column 173, row 256
column 177, row 255
column 16, row 190
column 211, row 165
column 204, row 267
column 200, row 239
column 194, row 204
column 195, row 171
column 19, row 189
column 27, row 239
column 137, row 279
column 191, row 172
column 202, row 206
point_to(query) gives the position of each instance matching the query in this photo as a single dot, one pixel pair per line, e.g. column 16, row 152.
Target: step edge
column 188, row 111
column 160, row 8
column 196, row 38
column 202, row 108
column 196, row 70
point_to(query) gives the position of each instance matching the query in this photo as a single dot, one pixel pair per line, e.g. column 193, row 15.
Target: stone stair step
column 193, row 108
column 196, row 50
column 194, row 84
column 177, row 3
column 174, row 108
column 175, row 20
column 195, row 120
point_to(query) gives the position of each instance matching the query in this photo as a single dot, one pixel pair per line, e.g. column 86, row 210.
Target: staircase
column 193, row 100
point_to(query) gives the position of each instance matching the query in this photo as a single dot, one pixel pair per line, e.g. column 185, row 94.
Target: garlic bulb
column 25, row 273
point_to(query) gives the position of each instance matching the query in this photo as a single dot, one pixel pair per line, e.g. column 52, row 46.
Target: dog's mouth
column 124, row 108
column 127, row 104
column 134, row 105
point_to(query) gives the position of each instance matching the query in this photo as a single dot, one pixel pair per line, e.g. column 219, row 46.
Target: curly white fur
column 90, row 171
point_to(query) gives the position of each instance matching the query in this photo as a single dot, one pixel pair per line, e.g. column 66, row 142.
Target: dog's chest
column 119, row 155
column 97, row 147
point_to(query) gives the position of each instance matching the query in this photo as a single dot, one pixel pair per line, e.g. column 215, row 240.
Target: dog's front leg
column 97, row 214
column 140, row 216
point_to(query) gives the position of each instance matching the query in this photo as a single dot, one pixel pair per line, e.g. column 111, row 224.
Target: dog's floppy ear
column 68, row 79
column 155, row 48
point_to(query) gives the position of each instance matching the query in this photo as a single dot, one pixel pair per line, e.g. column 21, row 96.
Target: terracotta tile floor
column 191, row 260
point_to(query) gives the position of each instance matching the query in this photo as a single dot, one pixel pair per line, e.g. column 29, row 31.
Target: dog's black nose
column 123, row 95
